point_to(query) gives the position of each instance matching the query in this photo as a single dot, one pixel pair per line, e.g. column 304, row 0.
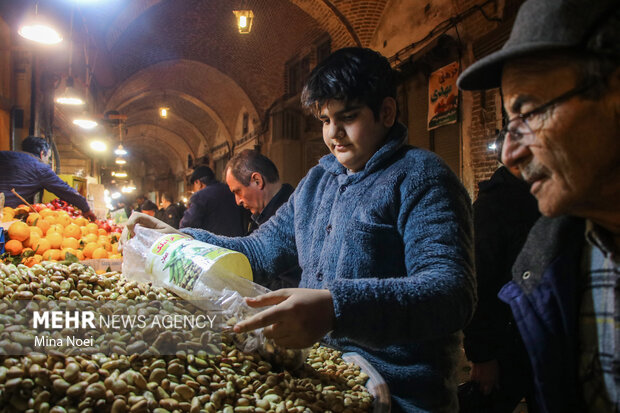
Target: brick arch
column 174, row 124
column 174, row 139
column 166, row 153
column 329, row 16
column 219, row 96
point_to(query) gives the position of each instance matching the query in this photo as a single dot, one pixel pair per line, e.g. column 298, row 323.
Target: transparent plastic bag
column 215, row 278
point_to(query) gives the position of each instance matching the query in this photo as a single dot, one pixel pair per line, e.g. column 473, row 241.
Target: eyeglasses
column 521, row 128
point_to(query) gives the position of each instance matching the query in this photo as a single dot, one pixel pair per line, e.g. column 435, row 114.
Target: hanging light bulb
column 85, row 121
column 36, row 29
column 120, row 151
column 120, row 174
column 70, row 96
column 163, row 112
column 98, row 146
column 244, row 20
column 120, row 161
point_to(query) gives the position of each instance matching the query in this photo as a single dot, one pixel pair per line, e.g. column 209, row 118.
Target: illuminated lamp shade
column 98, row 146
column 70, row 96
column 120, row 174
column 163, row 112
column 244, row 20
column 120, row 161
column 120, row 151
column 85, row 123
column 37, row 30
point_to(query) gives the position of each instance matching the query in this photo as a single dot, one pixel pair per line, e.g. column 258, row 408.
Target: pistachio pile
column 191, row 380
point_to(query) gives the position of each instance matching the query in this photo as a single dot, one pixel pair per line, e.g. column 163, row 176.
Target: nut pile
column 189, row 381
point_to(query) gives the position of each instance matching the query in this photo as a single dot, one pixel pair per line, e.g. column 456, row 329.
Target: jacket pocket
column 371, row 250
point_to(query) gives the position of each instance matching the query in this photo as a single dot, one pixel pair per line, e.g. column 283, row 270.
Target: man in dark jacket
column 29, row 173
column 503, row 215
column 169, row 212
column 254, row 180
column 212, row 207
column 560, row 78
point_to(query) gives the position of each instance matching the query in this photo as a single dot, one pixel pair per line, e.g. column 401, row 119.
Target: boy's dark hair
column 350, row 74
column 148, row 205
column 35, row 145
column 248, row 161
column 203, row 174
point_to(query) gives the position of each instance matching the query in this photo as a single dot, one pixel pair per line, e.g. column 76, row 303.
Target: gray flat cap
column 541, row 25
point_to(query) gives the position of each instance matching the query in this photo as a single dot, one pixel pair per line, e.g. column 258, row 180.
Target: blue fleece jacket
column 393, row 244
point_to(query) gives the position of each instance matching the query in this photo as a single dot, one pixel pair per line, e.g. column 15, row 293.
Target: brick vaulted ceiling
column 189, row 56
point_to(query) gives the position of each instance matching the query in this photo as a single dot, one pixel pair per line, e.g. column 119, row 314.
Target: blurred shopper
column 170, row 212
column 212, row 207
column 560, row 78
column 29, row 173
column 139, row 201
column 149, row 208
column 503, row 215
column 254, row 180
column 383, row 233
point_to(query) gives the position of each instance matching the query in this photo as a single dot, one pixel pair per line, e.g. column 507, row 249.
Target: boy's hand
column 146, row 221
column 300, row 316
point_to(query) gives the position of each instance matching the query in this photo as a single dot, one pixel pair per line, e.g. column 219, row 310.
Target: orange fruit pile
column 50, row 235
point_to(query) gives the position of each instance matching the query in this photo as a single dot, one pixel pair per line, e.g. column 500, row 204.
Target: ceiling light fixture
column 120, row 174
column 120, row 161
column 120, row 151
column 244, row 20
column 98, row 146
column 70, row 96
column 85, row 123
column 37, row 30
column 163, row 112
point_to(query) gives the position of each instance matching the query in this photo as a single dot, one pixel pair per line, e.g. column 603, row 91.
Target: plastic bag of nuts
column 217, row 277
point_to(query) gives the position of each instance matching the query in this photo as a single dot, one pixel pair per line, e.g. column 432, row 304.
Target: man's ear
column 257, row 179
column 387, row 114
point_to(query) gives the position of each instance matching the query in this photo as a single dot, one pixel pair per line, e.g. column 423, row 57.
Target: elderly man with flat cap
column 560, row 78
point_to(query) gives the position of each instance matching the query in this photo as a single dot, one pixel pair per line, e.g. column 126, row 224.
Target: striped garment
column 599, row 323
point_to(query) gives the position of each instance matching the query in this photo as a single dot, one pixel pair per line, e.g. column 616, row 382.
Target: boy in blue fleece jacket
column 383, row 234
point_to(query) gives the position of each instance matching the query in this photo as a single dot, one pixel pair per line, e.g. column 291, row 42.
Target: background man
column 255, row 182
column 169, row 212
column 212, row 207
column 560, row 77
column 149, row 208
column 29, row 173
column 504, row 213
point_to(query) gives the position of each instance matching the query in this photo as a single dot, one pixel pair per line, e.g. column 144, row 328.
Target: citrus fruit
column 32, row 218
column 51, row 255
column 90, row 238
column 41, row 245
column 100, row 253
column 72, row 230
column 43, row 225
column 81, row 221
column 69, row 242
column 19, row 231
column 55, row 239
column 92, row 228
column 36, row 231
column 13, row 247
column 89, row 248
